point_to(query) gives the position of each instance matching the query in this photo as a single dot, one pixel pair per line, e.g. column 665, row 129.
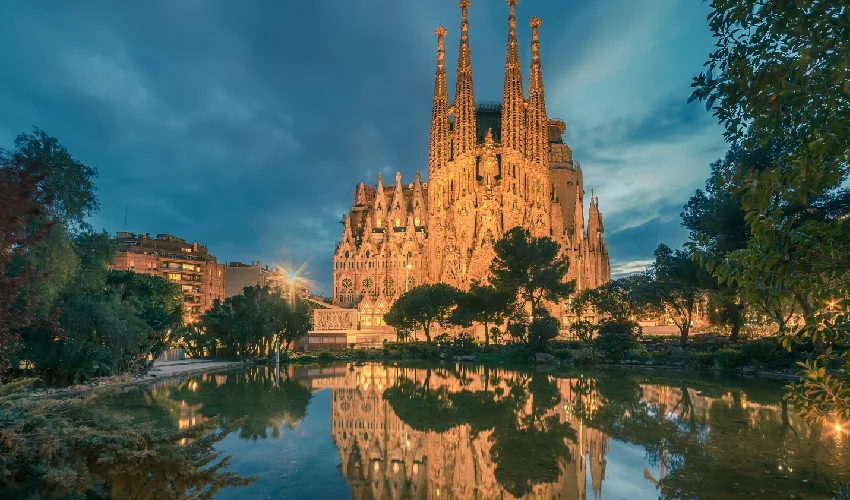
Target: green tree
column 780, row 70
column 17, row 208
column 158, row 302
column 422, row 307
column 677, row 285
column 625, row 299
column 65, row 187
column 530, row 269
column 297, row 323
column 482, row 304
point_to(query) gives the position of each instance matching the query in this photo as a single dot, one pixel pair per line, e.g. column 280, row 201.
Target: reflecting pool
column 400, row 431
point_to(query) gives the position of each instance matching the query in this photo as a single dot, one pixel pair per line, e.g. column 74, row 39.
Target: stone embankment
column 160, row 370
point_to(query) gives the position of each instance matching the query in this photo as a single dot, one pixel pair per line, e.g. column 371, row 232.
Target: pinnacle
column 513, row 3
column 441, row 32
column 464, row 4
column 535, row 22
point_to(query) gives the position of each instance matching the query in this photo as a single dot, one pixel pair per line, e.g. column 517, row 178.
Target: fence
column 172, row 355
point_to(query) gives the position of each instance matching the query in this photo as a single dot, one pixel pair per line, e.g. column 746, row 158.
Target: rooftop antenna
column 125, row 218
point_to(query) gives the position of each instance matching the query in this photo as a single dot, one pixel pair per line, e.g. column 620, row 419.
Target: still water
column 372, row 431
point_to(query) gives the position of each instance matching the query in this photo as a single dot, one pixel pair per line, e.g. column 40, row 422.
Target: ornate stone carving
column 334, row 319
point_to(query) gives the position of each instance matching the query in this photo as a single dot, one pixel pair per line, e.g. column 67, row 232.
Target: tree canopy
column 779, row 76
column 422, row 307
column 531, row 269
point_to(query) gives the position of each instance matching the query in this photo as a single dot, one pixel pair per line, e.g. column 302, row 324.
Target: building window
column 174, row 276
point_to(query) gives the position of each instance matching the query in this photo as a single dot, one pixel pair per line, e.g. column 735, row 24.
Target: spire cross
column 464, row 5
column 441, row 46
column 512, row 17
column 535, row 38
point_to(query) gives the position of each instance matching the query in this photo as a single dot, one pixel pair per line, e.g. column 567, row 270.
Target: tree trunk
column 683, row 333
column 735, row 332
column 820, row 345
column 486, row 336
column 427, row 329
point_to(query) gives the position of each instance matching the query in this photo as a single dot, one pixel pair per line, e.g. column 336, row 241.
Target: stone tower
column 491, row 167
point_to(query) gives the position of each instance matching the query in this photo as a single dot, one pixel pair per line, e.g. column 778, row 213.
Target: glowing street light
column 291, row 277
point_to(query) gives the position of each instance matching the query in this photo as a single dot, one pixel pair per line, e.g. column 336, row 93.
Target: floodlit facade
column 190, row 265
column 491, row 167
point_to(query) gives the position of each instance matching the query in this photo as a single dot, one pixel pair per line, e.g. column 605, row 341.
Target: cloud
column 246, row 126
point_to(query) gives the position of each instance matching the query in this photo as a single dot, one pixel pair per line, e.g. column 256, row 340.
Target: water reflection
column 474, row 432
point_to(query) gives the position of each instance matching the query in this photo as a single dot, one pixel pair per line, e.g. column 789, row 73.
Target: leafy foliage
column 626, row 298
column 530, row 269
column 482, row 304
column 252, row 322
column 17, row 208
column 422, row 307
column 532, row 272
column 678, row 284
column 64, row 448
column 779, row 75
column 616, row 338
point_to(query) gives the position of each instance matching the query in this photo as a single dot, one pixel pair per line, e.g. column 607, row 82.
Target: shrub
column 703, row 360
column 638, row 353
column 587, row 356
column 616, row 338
column 564, row 354
column 411, row 350
column 325, row 356
column 541, row 331
column 512, row 354
column 729, row 359
column 764, row 350
column 72, row 448
column 582, row 330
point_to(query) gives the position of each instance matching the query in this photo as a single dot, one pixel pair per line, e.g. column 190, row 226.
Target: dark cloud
column 245, row 125
column 638, row 242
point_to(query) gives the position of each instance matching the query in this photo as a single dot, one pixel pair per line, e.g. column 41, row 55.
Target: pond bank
column 161, row 371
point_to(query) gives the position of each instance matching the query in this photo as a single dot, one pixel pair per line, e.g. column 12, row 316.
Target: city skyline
column 248, row 129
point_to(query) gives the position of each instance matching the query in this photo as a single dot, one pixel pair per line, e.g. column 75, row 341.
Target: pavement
column 163, row 369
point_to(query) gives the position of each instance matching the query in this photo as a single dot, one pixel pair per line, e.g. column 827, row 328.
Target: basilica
column 491, row 167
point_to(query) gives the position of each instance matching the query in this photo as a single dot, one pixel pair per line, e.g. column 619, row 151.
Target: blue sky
column 245, row 125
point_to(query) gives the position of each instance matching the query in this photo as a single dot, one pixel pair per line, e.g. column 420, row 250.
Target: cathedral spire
column 537, row 136
column 464, row 105
column 513, row 99
column 438, row 152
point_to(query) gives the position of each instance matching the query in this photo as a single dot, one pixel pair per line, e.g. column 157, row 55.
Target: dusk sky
column 246, row 125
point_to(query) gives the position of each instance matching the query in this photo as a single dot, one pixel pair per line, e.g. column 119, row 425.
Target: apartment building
column 190, row 265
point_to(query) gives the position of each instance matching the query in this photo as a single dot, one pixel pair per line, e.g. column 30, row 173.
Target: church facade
column 491, row 167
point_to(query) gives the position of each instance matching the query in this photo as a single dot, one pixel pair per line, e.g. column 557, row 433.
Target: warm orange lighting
column 837, row 427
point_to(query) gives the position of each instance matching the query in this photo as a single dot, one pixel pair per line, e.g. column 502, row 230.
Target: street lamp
column 291, row 278
column 407, row 276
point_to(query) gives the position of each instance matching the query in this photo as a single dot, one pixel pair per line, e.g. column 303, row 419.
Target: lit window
column 174, row 276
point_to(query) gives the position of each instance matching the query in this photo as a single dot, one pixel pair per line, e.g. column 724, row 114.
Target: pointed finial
column 417, row 176
column 535, row 39
column 398, row 177
column 488, row 139
column 464, row 5
column 512, row 17
column 441, row 48
column 380, row 177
